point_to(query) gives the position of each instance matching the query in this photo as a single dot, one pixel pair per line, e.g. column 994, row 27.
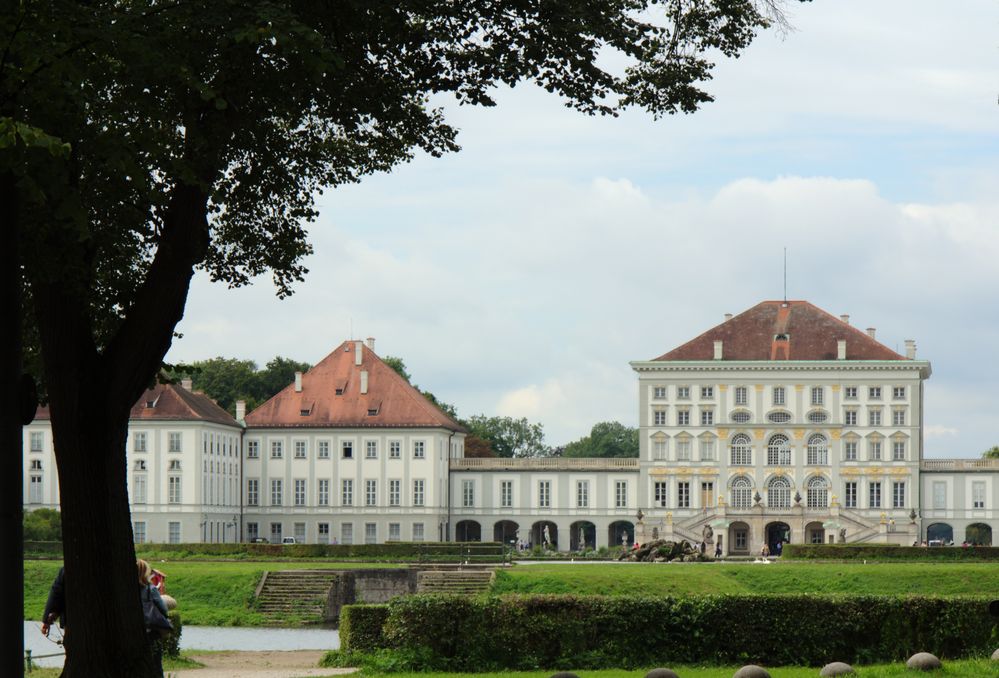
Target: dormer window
column 781, row 337
column 150, row 404
column 339, row 391
column 372, row 411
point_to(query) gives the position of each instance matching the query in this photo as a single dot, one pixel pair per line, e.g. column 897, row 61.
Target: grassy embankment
column 207, row 593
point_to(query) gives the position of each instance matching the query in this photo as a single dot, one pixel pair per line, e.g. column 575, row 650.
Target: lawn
column 980, row 668
column 207, row 593
column 661, row 579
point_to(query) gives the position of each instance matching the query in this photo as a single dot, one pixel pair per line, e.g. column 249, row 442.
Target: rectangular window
column 978, row 495
column 708, row 450
column 323, row 492
column 300, row 533
column 874, row 418
column 850, row 418
column 898, row 450
column 874, row 495
column 818, row 395
column 707, row 418
column 683, row 418
column 659, row 450
column 741, row 395
column 37, row 441
column 544, row 494
column 276, row 531
column 323, row 533
column 277, row 449
column 779, row 395
column 417, row 531
column 300, row 449
column 850, row 495
column 139, row 442
column 939, row 495
column 173, row 490
column 898, row 495
column 139, row 488
column 506, row 493
column 707, row 392
column 395, row 450
column 347, row 449
column 683, row 393
column 659, row 392
column 582, row 494
column 346, row 533
column 277, row 492
column 323, row 451
column 683, row 450
column 35, row 490
column 741, row 540
column 371, row 449
column 418, row 492
column 299, row 492
column 252, row 449
column 874, row 393
column 173, row 530
column 252, row 531
column 173, row 442
column 898, row 393
column 850, row 392
column 850, row 451
column 659, row 492
column 659, row 418
column 370, row 492
column 621, row 494
column 683, row 494
column 370, row 533
column 252, row 491
column 874, row 447
column 468, row 493
column 395, row 492
column 395, row 532
column 419, row 449
column 898, row 418
column 139, row 532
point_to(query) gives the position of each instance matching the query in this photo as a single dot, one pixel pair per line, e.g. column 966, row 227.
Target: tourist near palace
column 782, row 423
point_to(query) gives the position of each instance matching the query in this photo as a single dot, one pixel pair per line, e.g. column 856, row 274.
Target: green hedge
column 171, row 643
column 43, row 548
column 456, row 633
column 888, row 552
column 361, row 627
column 395, row 550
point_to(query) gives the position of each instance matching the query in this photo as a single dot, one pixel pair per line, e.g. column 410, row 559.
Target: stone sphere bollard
column 837, row 669
column 662, row 673
column 923, row 661
column 751, row 671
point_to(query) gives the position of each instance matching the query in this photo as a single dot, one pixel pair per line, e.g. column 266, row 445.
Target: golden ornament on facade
column 834, row 388
column 835, row 434
column 758, row 433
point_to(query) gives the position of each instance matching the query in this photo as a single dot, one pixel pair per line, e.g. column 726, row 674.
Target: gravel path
column 266, row 664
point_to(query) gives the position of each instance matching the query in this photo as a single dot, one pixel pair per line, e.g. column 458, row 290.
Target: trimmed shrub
column 43, row 548
column 361, row 627
column 171, row 643
column 457, row 633
column 888, row 552
column 426, row 551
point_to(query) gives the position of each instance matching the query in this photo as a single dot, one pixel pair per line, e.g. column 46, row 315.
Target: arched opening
column 776, row 533
column 506, row 532
column 939, row 534
column 978, row 534
column 779, row 492
column 738, row 539
column 544, row 533
column 815, row 533
column 621, row 532
column 582, row 535
column 467, row 530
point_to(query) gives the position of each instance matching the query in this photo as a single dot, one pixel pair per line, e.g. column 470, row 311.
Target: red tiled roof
column 811, row 334
column 171, row 402
column 391, row 401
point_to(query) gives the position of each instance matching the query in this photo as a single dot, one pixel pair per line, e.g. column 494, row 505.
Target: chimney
column 358, row 352
column 910, row 349
column 298, row 382
column 364, row 382
column 841, row 349
column 870, row 332
column 240, row 410
column 728, row 316
column 371, row 343
column 845, row 318
column 186, row 383
column 718, row 349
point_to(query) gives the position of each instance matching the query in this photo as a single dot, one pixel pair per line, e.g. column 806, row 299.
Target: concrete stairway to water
column 302, row 594
column 455, row 581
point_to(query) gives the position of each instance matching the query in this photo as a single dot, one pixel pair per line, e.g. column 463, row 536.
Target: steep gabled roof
column 331, row 397
column 783, row 330
column 171, row 402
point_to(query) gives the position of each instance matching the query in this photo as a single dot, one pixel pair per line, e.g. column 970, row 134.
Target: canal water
column 205, row 638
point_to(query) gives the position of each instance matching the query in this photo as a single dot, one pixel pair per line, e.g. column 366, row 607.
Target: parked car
column 288, row 540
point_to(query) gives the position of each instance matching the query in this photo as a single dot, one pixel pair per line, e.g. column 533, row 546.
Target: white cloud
column 938, row 431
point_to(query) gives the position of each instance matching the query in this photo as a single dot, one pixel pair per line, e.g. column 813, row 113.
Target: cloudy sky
column 519, row 276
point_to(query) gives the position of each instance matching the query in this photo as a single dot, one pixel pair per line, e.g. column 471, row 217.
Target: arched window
column 818, row 492
column 742, row 493
column 778, row 451
column 742, row 450
column 818, row 453
column 779, row 492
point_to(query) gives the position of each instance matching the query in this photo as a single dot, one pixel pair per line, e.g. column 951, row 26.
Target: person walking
column 149, row 592
column 55, row 606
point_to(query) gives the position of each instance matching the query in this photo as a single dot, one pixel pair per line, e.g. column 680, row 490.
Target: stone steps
column 466, row 582
column 300, row 593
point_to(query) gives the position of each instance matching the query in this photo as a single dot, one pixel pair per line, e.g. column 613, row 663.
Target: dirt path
column 267, row 664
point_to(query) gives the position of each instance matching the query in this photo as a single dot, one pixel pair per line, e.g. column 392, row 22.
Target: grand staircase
column 295, row 595
column 455, row 581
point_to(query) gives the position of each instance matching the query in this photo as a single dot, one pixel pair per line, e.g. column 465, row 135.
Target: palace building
column 781, row 424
